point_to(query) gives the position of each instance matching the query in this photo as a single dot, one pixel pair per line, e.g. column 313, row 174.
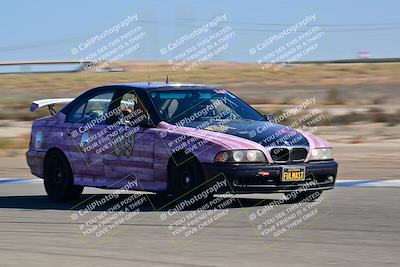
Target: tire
column 307, row 196
column 186, row 178
column 59, row 180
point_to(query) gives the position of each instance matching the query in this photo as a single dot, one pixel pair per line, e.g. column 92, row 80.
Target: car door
column 84, row 129
column 131, row 157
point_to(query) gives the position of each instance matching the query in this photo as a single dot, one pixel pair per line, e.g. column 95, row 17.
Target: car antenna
column 148, row 78
column 166, row 80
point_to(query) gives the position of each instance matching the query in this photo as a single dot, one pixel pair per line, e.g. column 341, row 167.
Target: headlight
column 321, row 153
column 240, row 156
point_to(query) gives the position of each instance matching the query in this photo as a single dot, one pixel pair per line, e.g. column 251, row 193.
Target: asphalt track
column 356, row 224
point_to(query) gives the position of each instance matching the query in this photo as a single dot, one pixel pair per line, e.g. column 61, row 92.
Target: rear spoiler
column 49, row 103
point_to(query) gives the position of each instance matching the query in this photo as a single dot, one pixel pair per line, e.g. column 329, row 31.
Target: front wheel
column 186, row 179
column 307, row 196
column 59, row 180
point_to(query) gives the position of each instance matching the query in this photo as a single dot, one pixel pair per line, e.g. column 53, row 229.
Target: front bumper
column 246, row 178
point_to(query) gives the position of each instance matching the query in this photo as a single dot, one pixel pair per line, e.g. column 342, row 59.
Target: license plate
column 291, row 174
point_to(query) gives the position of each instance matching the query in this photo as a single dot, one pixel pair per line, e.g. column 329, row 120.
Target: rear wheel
column 307, row 196
column 59, row 180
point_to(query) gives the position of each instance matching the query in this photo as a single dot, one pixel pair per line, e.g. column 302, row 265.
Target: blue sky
column 48, row 30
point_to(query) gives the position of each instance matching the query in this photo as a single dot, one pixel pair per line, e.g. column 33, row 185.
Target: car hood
column 265, row 133
column 246, row 134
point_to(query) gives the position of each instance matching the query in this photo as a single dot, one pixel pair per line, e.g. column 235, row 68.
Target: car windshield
column 184, row 105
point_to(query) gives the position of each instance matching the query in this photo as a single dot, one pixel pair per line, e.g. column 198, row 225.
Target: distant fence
column 349, row 61
column 43, row 66
column 75, row 66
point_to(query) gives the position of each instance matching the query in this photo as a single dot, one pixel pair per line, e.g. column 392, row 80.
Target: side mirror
column 269, row 117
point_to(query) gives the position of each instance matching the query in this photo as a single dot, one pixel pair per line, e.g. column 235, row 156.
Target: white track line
column 340, row 183
column 368, row 183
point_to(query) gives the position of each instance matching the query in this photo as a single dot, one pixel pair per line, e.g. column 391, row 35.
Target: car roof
column 163, row 85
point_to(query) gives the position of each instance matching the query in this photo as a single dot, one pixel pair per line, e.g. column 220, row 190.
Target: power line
column 324, row 30
column 290, row 24
column 377, row 27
